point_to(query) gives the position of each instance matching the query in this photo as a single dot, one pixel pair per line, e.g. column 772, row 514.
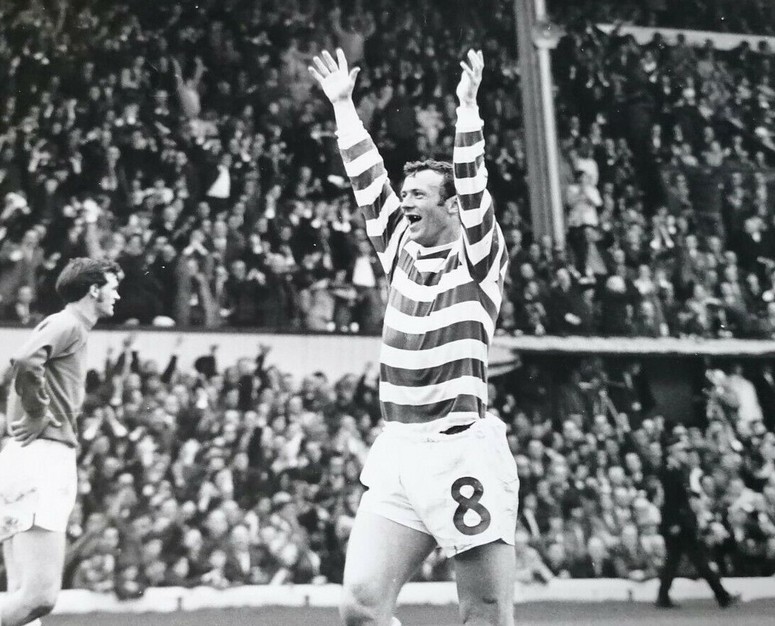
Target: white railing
column 171, row 599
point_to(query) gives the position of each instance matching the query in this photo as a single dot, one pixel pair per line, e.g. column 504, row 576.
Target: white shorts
column 38, row 486
column 461, row 489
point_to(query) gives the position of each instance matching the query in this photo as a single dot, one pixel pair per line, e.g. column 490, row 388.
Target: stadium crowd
column 185, row 141
column 730, row 16
column 242, row 474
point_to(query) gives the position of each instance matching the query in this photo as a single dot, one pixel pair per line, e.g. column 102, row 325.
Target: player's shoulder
column 63, row 321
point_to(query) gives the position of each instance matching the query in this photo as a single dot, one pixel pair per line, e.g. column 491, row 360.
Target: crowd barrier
column 721, row 41
column 299, row 354
column 336, row 355
column 171, row 599
column 637, row 346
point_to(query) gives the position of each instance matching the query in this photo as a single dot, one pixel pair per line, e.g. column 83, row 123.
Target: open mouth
column 413, row 218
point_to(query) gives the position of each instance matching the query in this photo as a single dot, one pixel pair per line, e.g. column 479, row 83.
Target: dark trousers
column 687, row 543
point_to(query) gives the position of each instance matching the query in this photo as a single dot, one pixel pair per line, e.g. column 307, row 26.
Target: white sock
column 393, row 622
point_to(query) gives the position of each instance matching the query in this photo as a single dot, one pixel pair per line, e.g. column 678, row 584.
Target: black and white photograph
column 387, row 312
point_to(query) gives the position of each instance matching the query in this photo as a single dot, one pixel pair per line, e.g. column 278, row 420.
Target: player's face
column 107, row 296
column 431, row 222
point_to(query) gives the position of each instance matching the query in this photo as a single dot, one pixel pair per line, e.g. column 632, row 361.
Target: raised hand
column 471, row 78
column 333, row 76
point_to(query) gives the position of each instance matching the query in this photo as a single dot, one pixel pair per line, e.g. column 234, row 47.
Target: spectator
column 570, row 314
column 530, row 567
column 557, row 562
column 596, row 563
column 617, row 307
column 631, row 560
column 748, row 408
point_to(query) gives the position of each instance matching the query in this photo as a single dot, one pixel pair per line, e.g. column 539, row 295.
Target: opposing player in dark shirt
column 38, row 473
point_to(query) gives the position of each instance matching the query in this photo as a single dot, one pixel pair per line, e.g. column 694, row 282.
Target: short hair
column 447, row 187
column 81, row 273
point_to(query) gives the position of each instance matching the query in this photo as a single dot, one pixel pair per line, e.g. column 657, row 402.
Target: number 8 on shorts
column 471, row 505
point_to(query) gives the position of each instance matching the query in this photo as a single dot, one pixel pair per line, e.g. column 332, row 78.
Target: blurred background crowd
column 721, row 16
column 187, row 142
column 238, row 473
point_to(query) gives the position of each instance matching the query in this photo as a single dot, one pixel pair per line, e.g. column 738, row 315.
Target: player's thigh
column 381, row 556
column 485, row 583
column 40, row 558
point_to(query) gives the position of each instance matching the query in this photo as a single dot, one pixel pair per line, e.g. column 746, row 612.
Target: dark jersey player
column 38, row 474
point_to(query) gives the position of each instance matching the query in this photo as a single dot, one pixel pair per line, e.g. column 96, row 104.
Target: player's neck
column 436, row 246
column 85, row 311
column 445, row 239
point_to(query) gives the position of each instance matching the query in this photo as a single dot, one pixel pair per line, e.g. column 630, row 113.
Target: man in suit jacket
column 680, row 528
column 765, row 390
column 596, row 563
column 242, row 558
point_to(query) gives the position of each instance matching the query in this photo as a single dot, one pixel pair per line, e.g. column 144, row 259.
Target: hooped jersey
column 444, row 301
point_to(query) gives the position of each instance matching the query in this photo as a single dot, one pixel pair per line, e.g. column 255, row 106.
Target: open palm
column 333, row 75
column 471, row 77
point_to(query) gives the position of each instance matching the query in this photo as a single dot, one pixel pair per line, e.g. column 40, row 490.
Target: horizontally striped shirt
column 444, row 301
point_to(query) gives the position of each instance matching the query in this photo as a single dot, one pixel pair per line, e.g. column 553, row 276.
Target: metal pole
column 550, row 133
column 535, row 43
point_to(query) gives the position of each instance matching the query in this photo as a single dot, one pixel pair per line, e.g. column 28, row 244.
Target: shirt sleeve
column 381, row 208
column 484, row 244
column 51, row 338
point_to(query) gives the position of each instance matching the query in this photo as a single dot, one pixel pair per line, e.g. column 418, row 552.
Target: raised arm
column 484, row 245
column 362, row 161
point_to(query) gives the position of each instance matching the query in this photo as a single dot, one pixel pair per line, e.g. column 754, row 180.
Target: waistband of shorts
column 435, row 430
